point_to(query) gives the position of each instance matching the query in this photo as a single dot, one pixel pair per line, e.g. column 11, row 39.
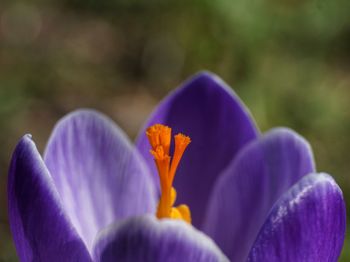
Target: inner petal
column 98, row 175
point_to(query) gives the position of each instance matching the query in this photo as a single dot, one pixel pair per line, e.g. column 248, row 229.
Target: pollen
column 159, row 137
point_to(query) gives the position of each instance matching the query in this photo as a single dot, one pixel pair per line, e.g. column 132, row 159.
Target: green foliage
column 288, row 60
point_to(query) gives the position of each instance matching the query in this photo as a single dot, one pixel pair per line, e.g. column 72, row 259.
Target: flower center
column 159, row 137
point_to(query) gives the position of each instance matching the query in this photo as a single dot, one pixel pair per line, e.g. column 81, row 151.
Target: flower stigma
column 159, row 137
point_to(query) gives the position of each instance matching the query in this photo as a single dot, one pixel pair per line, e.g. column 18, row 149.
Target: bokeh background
column 288, row 60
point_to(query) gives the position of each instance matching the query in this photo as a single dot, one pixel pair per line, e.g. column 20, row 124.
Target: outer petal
column 306, row 224
column 98, row 176
column 149, row 239
column 40, row 228
column 250, row 186
column 207, row 110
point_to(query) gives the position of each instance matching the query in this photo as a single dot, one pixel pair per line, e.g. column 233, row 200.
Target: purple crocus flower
column 93, row 196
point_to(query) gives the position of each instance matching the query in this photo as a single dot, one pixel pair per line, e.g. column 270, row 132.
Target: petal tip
column 25, row 142
column 82, row 111
column 29, row 136
column 285, row 131
column 291, row 135
column 206, row 78
column 205, row 74
column 84, row 115
column 326, row 178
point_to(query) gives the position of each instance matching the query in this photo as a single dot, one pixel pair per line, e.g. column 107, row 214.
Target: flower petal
column 99, row 177
column 306, row 224
column 208, row 111
column 244, row 195
column 149, row 239
column 40, row 228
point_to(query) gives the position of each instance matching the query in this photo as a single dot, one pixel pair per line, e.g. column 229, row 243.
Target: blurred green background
column 288, row 60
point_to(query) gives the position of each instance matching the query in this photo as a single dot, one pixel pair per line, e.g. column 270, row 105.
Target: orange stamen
column 181, row 142
column 162, row 162
column 159, row 137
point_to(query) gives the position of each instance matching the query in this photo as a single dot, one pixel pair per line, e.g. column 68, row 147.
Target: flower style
column 93, row 196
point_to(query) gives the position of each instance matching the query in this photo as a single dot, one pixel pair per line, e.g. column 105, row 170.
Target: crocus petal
column 244, row 195
column 149, row 239
column 208, row 111
column 306, row 224
column 39, row 226
column 98, row 175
